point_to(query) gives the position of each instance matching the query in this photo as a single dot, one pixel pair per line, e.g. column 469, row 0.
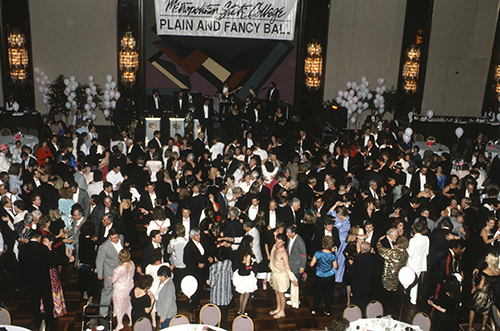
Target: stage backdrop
column 175, row 62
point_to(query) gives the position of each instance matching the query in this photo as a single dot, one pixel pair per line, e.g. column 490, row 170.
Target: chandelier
column 18, row 56
column 411, row 69
column 313, row 66
column 129, row 59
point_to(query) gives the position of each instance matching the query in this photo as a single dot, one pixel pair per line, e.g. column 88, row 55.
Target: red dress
column 42, row 154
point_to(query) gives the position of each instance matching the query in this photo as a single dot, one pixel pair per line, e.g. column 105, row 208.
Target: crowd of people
column 245, row 214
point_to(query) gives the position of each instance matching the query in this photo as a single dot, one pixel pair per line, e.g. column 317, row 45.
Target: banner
column 265, row 19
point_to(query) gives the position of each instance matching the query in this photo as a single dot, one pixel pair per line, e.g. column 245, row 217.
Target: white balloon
column 369, row 96
column 338, row 99
column 360, row 111
column 70, row 98
column 409, row 132
column 459, row 132
column 49, row 82
column 353, row 120
column 106, row 113
column 72, row 79
column 37, row 70
column 406, row 138
column 346, row 94
column 93, row 116
column 430, row 113
column 189, row 285
column 68, row 105
column 365, row 105
column 348, row 84
column 363, row 79
column 66, row 82
column 91, row 78
column 107, row 103
column 406, row 276
column 15, row 106
column 113, row 85
column 117, row 95
column 109, row 78
column 93, row 105
column 73, row 94
column 111, row 94
column 354, row 84
column 380, row 81
column 107, row 86
column 341, row 93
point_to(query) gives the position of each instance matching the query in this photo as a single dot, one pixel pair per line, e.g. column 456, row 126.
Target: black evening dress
column 483, row 299
column 87, row 278
column 447, row 321
column 139, row 306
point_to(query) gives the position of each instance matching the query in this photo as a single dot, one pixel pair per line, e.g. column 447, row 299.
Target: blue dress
column 343, row 227
column 65, row 210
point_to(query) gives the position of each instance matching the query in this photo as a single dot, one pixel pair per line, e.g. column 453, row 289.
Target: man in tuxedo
column 272, row 216
column 420, row 178
column 49, row 195
column 151, row 245
column 206, row 117
column 234, row 225
column 255, row 117
column 272, row 97
column 103, row 208
column 327, row 229
column 147, row 202
column 197, row 203
column 186, row 220
column 156, row 141
column 291, row 215
column 35, row 261
column 196, row 261
column 180, row 104
column 221, row 199
column 199, row 145
column 363, row 271
column 156, row 103
column 63, row 170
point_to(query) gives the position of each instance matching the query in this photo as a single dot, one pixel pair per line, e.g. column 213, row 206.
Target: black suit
column 272, row 96
column 98, row 214
column 198, row 148
column 36, row 260
column 64, row 171
column 50, row 197
column 364, row 270
column 192, row 259
column 156, row 110
column 178, row 109
column 206, row 120
column 147, row 254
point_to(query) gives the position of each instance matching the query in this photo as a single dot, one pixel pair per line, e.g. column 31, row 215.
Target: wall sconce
column 313, row 65
column 18, row 56
column 129, row 59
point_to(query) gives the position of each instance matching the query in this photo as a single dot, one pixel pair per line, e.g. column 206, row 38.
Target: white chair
column 4, row 317
column 243, row 323
column 210, row 315
column 374, row 309
column 178, row 320
column 422, row 320
column 143, row 324
column 352, row 313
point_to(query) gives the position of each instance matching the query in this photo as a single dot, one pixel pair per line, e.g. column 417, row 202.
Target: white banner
column 264, row 19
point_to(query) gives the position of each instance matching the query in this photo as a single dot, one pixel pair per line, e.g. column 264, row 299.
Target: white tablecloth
column 14, row 328
column 380, row 324
column 435, row 148
column 26, row 139
column 193, row 327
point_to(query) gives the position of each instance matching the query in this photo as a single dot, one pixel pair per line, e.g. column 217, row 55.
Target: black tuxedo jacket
column 178, row 110
column 200, row 114
column 192, row 257
column 35, row 262
column 152, row 103
column 363, row 271
column 64, row 171
column 50, row 197
column 198, row 147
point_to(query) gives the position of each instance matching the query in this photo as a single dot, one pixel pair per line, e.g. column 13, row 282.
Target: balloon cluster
column 43, row 86
column 90, row 92
column 357, row 97
column 111, row 95
column 69, row 91
column 407, row 135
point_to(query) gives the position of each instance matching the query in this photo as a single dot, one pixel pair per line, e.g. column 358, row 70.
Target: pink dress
column 123, row 283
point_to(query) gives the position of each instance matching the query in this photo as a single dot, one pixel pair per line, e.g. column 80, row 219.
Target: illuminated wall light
column 129, row 59
column 18, row 56
column 313, row 66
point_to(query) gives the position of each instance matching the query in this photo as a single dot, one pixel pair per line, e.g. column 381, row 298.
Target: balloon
column 106, row 113
column 45, row 78
column 94, row 89
column 353, row 120
column 348, row 84
column 459, row 132
column 355, row 99
column 107, row 86
column 109, row 78
column 363, row 79
column 189, row 285
column 406, row 276
column 86, row 107
column 113, row 104
column 49, row 82
column 365, row 105
column 73, row 103
column 349, row 112
column 66, row 92
column 93, row 105
column 380, row 81
column 117, row 95
column 410, row 116
column 46, row 90
column 88, row 91
column 38, row 80
column 106, row 96
column 70, row 98
column 369, row 96
column 91, row 84
column 367, row 83
column 383, row 89
column 93, row 116
column 359, row 104
column 378, row 90
column 346, row 94
column 107, row 103
column 351, row 93
column 338, row 99
column 406, row 138
column 430, row 113
column 45, row 101
column 89, row 99
column 15, row 106
column 381, row 110
column 42, row 73
column 91, row 78
column 66, row 82
column 111, row 94
column 409, row 132
column 360, row 111
column 341, row 93
column 72, row 79
column 68, row 105
column 113, row 85
column 37, row 70
column 354, row 84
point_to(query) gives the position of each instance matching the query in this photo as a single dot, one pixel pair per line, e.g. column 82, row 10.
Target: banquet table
column 381, row 324
column 436, row 148
column 13, row 328
column 194, row 327
column 26, row 139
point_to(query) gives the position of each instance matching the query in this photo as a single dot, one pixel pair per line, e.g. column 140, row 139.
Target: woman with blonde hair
column 123, row 282
column 483, row 294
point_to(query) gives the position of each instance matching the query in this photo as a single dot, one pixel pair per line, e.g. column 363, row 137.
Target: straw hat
column 361, row 233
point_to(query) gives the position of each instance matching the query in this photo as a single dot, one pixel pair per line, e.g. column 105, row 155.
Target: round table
column 194, row 327
column 380, row 324
column 435, row 148
column 26, row 139
column 14, row 328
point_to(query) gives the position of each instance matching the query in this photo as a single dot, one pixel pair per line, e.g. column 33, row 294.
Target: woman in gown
column 488, row 236
column 123, row 282
column 279, row 123
column 87, row 253
column 343, row 225
column 126, row 212
column 55, row 281
column 65, row 203
column 142, row 298
column 445, row 316
column 483, row 297
column 234, row 123
column 244, row 279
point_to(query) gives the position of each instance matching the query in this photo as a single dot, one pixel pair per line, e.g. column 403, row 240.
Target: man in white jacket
column 418, row 249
